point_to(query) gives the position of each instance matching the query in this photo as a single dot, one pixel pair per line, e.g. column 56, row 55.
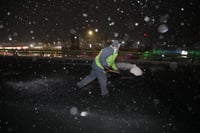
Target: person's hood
column 115, row 43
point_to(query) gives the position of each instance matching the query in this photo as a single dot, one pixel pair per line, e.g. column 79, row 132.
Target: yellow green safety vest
column 110, row 60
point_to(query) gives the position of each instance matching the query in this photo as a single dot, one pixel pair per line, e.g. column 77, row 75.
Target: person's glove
column 107, row 69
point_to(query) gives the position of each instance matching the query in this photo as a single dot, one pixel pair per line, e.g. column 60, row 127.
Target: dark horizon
column 155, row 22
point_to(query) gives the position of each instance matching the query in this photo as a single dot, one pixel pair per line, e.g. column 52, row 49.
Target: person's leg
column 89, row 78
column 102, row 78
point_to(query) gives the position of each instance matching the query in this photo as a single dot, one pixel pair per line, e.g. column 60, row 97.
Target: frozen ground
column 39, row 95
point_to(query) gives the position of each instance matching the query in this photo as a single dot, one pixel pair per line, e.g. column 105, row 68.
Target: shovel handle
column 113, row 71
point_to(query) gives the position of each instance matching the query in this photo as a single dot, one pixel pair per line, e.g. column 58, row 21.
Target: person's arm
column 105, row 53
column 114, row 66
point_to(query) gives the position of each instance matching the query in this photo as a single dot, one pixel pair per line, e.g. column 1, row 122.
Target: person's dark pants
column 102, row 78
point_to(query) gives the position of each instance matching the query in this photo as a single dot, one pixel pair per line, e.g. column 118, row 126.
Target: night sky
column 162, row 22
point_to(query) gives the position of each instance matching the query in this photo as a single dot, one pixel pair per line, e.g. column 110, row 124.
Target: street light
column 90, row 32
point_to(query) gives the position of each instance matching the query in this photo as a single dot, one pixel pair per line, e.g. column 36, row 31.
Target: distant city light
column 31, row 45
column 10, row 38
column 183, row 52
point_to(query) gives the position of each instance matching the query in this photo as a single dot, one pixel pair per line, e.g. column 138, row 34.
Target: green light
column 191, row 52
column 146, row 54
column 197, row 52
column 156, row 51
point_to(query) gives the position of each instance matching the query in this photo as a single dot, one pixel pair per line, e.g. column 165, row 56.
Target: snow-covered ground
column 40, row 95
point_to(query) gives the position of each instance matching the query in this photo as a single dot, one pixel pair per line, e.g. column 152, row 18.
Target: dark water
column 39, row 95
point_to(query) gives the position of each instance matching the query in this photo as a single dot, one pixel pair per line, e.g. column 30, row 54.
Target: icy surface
column 47, row 99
